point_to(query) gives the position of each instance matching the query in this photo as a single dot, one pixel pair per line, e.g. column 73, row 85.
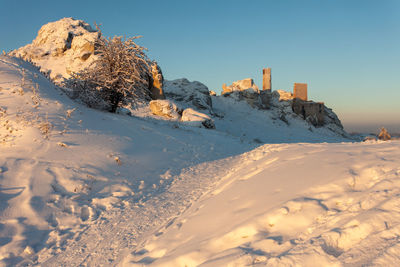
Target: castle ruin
column 310, row 111
column 300, row 91
column 267, row 79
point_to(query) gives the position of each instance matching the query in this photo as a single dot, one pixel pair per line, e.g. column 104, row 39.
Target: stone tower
column 300, row 91
column 267, row 79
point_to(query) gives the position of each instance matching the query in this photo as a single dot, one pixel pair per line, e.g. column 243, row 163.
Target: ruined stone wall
column 310, row 111
column 300, row 91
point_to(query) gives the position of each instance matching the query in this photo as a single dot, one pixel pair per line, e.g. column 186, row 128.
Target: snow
column 84, row 187
column 286, row 205
column 195, row 118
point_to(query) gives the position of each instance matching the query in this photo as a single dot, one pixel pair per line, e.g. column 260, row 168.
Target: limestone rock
column 283, row 95
column 190, row 93
column 384, row 135
column 158, row 82
column 332, row 118
column 165, row 108
column 195, row 118
column 244, row 90
column 61, row 47
column 241, row 85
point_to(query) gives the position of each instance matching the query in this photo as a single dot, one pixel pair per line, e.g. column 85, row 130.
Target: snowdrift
column 290, row 205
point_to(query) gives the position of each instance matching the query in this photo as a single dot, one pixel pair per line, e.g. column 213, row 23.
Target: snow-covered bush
column 119, row 76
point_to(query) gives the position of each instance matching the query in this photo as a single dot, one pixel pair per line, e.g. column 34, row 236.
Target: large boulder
column 61, row 47
column 165, row 108
column 195, row 118
column 189, row 93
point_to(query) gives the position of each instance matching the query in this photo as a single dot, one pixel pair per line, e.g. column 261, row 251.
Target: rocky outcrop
column 189, row 93
column 68, row 46
column 169, row 110
column 384, row 135
column 240, row 86
column 61, row 47
column 246, row 90
column 282, row 95
column 165, row 108
column 195, row 118
column 158, row 82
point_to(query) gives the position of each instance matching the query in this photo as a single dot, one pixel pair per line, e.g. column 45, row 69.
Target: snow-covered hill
column 84, row 187
column 68, row 45
column 63, row 166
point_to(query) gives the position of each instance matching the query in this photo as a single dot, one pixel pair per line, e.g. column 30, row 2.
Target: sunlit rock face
column 244, row 89
column 282, row 95
column 61, row 47
column 165, row 108
column 245, row 85
column 158, row 82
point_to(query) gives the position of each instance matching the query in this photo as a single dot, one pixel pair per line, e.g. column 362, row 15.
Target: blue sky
column 348, row 51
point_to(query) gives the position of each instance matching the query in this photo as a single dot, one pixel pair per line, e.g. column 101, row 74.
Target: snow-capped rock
column 165, row 108
column 190, row 93
column 61, row 47
column 247, row 85
column 195, row 118
column 282, row 95
column 244, row 89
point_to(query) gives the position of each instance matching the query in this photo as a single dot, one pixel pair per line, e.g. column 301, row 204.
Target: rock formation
column 169, row 110
column 61, row 47
column 165, row 108
column 189, row 93
column 384, row 135
column 68, row 46
column 158, row 82
column 195, row 118
column 243, row 90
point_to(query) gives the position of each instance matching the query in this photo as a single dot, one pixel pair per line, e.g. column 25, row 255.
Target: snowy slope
column 291, row 205
column 64, row 165
column 84, row 187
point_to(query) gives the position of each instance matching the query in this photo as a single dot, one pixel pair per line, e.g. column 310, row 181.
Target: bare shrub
column 119, row 76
